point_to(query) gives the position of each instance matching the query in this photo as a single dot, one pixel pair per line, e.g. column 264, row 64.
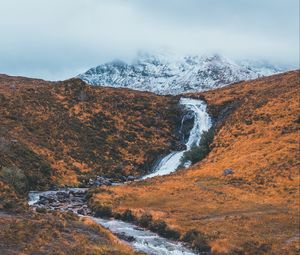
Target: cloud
column 56, row 39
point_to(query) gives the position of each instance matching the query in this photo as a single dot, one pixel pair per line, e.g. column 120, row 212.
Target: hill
column 65, row 133
column 255, row 208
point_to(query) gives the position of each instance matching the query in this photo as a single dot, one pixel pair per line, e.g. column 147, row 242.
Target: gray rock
column 81, row 211
column 125, row 237
column 130, row 178
column 228, row 171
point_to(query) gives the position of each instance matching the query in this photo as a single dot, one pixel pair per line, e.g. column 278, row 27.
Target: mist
column 54, row 39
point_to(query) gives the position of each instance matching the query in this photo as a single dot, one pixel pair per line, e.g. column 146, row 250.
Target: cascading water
column 142, row 240
column 202, row 122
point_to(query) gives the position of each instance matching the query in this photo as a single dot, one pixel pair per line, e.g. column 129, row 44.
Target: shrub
column 102, row 211
column 4, row 145
column 251, row 247
column 41, row 210
column 158, row 226
column 7, row 205
column 117, row 216
column 145, row 220
column 197, row 153
column 172, row 233
column 128, row 216
column 197, row 239
column 14, row 177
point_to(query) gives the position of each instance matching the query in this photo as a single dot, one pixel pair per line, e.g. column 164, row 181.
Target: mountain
column 163, row 74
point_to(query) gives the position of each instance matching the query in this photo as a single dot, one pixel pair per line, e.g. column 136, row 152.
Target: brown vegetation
column 254, row 210
column 55, row 134
column 56, row 233
column 65, row 132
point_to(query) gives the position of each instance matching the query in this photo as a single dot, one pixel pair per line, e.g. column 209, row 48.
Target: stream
column 202, row 122
column 141, row 240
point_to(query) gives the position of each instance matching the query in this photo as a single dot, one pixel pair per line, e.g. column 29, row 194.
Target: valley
column 234, row 201
column 257, row 133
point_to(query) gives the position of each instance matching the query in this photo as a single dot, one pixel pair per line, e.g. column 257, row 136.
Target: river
column 140, row 239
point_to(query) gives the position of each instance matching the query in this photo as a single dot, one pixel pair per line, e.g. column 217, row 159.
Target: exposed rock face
column 168, row 75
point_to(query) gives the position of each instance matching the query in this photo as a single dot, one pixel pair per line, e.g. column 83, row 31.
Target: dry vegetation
column 65, row 132
column 56, row 233
column 255, row 210
column 55, row 134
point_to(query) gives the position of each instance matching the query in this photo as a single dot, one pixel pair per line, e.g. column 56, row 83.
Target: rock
column 187, row 164
column 81, row 211
column 102, row 181
column 98, row 183
column 124, row 237
column 62, row 196
column 228, row 171
column 130, row 178
column 45, row 200
column 123, row 178
column 78, row 193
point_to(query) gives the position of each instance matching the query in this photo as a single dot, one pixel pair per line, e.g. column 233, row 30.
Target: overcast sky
column 57, row 39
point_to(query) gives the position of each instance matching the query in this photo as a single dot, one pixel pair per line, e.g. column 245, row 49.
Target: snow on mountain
column 169, row 75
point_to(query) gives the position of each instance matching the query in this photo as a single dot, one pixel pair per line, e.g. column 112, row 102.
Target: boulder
column 62, row 196
column 81, row 211
column 130, row 178
column 78, row 193
column 102, row 181
column 228, row 171
column 125, row 237
column 45, row 200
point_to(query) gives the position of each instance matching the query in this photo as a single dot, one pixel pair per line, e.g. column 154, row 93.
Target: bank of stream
column 140, row 239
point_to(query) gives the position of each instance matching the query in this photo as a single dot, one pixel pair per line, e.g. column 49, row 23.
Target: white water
column 202, row 122
column 144, row 240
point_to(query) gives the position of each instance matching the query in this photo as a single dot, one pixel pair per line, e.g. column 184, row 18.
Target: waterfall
column 202, row 122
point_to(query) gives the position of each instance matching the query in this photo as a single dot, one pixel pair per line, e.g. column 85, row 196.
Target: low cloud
column 56, row 39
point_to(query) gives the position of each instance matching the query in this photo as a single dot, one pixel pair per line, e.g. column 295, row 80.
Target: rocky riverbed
column 75, row 200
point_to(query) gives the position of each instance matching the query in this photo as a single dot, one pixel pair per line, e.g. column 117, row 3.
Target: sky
column 58, row 39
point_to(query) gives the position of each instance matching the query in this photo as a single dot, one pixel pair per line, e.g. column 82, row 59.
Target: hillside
column 56, row 233
column 253, row 210
column 66, row 132
column 56, row 134
column 167, row 74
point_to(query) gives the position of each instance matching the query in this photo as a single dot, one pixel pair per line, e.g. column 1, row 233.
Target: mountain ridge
column 163, row 74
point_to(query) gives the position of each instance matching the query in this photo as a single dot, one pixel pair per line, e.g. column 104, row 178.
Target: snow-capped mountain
column 167, row 75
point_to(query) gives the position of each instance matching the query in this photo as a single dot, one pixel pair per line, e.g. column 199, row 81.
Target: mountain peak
column 170, row 74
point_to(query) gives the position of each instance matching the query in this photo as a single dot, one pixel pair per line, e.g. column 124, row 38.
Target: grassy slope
column 59, row 133
column 56, row 234
column 67, row 131
column 259, row 203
